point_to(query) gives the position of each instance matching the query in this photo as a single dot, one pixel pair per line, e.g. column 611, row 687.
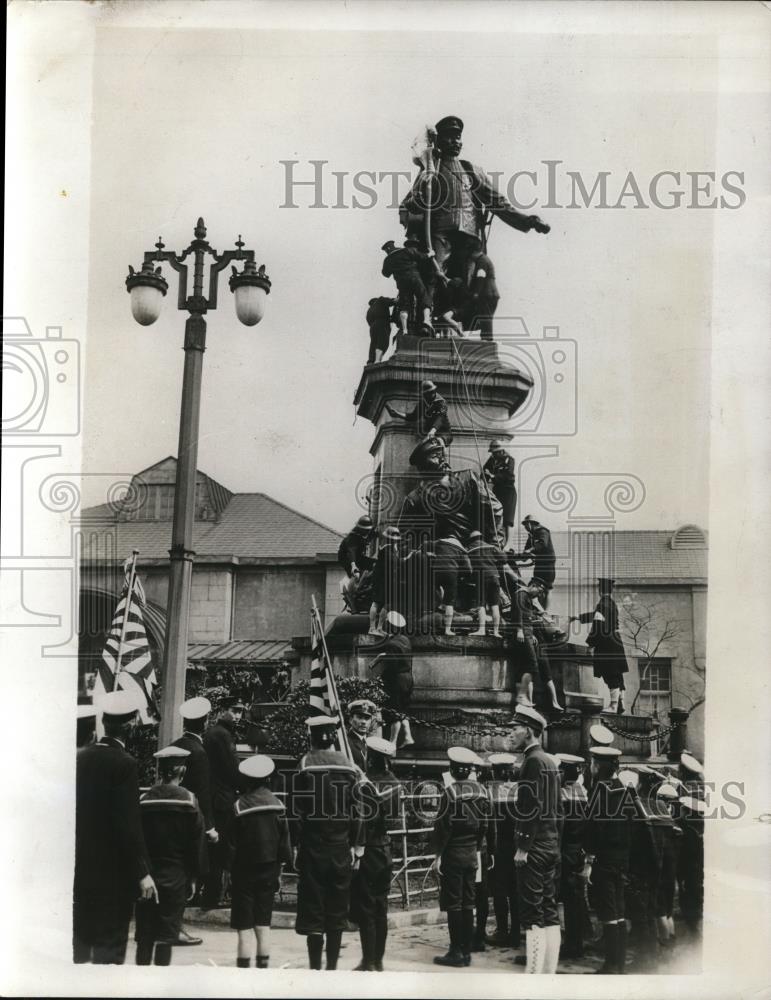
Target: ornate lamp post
column 147, row 288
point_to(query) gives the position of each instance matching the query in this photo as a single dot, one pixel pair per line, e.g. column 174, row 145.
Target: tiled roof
column 641, row 555
column 252, row 526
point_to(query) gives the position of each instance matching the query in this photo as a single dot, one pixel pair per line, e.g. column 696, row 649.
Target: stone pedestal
column 481, row 393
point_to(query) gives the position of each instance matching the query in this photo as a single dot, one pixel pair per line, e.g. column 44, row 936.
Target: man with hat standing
column 572, row 882
column 173, row 830
column 386, row 581
column 533, row 656
column 111, row 863
column 260, row 847
column 608, row 833
column 405, row 266
column 429, row 415
column 326, row 813
column 382, row 809
column 499, row 468
column 460, row 829
column 197, row 775
column 457, row 195
column 361, row 712
column 537, row 841
column 502, row 790
column 219, row 742
column 394, row 659
column 608, row 654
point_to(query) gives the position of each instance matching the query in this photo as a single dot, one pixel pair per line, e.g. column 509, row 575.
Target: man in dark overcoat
column 219, row 742
column 608, row 656
column 111, row 864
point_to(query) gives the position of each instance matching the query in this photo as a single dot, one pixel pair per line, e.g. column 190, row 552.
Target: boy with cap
column 381, row 800
column 540, row 549
column 537, row 841
column 460, row 829
column 386, row 581
column 405, row 266
column 173, row 829
column 395, row 660
column 486, row 564
column 533, row 656
column 607, row 839
column 502, row 790
column 111, row 861
column 326, row 825
column 261, row 846
column 572, row 882
column 608, row 655
column 499, row 468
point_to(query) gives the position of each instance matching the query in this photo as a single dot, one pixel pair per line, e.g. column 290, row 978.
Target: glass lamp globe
column 147, row 289
column 251, row 288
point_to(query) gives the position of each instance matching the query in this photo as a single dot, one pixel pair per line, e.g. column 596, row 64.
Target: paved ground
column 410, row 949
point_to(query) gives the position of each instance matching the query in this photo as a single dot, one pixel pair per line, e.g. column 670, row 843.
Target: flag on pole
column 126, row 663
column 323, row 696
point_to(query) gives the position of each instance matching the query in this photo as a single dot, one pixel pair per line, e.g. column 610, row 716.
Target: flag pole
column 124, row 626
column 331, row 677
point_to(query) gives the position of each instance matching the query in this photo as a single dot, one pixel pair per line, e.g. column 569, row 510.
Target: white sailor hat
column 629, row 778
column 601, row 734
column 258, row 766
column 379, row 745
column 195, row 708
column 86, row 712
column 322, row 722
column 395, row 620
column 690, row 763
column 695, row 805
column 500, row 759
column 362, row 706
column 171, row 753
column 667, row 791
column 645, row 769
column 569, row 758
column 462, row 755
column 526, row 716
column 605, row 753
column 119, row 705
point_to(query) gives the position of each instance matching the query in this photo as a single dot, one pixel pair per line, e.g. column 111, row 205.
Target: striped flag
column 323, row 696
column 128, row 665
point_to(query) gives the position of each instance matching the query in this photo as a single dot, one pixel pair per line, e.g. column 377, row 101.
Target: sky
column 197, row 122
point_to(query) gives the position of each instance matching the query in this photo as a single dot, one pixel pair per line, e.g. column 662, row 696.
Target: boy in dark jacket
column 261, row 845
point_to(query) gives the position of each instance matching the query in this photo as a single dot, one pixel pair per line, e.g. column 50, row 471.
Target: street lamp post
column 147, row 288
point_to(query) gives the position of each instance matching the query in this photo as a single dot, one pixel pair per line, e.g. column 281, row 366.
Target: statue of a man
column 448, row 204
column 448, row 506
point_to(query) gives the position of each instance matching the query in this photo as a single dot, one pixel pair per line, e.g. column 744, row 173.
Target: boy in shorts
column 261, row 846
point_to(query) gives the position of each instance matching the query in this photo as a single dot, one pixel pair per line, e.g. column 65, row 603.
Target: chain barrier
column 648, row 738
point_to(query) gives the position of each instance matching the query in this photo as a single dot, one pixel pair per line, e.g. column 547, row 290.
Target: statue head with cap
column 449, row 131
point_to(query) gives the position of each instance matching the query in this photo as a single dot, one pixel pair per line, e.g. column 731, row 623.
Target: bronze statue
column 449, row 209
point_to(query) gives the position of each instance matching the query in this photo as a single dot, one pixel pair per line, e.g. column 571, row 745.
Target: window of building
column 655, row 686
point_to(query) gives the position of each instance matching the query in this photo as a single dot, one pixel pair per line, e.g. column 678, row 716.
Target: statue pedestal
column 481, row 393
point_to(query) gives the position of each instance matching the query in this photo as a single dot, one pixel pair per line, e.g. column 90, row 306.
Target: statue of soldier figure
column 448, row 210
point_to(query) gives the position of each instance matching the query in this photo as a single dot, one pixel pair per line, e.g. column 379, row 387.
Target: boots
column 612, row 708
column 315, row 946
column 144, row 954
column 381, row 934
column 609, row 942
column 262, row 962
column 245, row 963
column 535, row 944
column 467, row 940
column 162, row 954
column 334, row 941
column 367, row 938
column 454, row 956
column 620, row 952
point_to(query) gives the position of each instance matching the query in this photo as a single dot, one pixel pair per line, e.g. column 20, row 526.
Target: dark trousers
column 220, row 856
column 575, row 910
column 369, row 901
column 100, row 929
column 537, row 889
